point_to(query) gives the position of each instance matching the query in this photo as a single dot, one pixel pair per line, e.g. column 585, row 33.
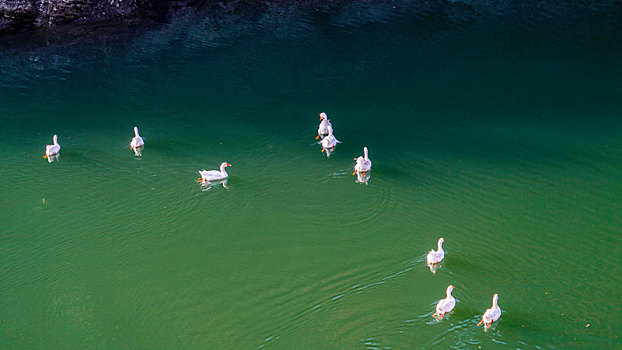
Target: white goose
column 492, row 314
column 329, row 142
column 213, row 175
column 52, row 151
column 445, row 305
column 363, row 164
column 137, row 142
column 325, row 127
column 435, row 257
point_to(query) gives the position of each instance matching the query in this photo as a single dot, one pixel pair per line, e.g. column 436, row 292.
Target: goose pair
column 137, row 143
column 52, row 152
column 325, row 132
column 206, row 175
column 446, row 305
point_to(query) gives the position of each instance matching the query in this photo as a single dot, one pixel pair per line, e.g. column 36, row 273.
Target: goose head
column 323, row 116
column 55, row 138
column 136, row 131
column 449, row 290
column 223, row 166
column 440, row 243
column 494, row 300
column 366, row 153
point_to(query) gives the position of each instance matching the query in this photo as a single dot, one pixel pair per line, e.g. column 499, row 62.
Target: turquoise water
column 494, row 127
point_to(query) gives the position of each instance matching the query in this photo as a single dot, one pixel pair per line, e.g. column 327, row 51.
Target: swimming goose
column 445, row 305
column 213, row 175
column 363, row 164
column 325, row 127
column 329, row 142
column 52, row 151
column 137, row 142
column 492, row 314
column 435, row 257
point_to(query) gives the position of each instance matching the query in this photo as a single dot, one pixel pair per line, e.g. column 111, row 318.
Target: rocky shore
column 20, row 14
column 17, row 15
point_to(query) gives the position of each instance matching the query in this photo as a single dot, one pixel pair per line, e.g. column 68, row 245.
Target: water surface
column 494, row 126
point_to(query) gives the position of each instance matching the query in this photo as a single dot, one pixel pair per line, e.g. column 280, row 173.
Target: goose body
column 435, row 257
column 213, row 175
column 363, row 164
column 445, row 305
column 492, row 314
column 137, row 142
column 52, row 151
column 325, row 127
column 329, row 142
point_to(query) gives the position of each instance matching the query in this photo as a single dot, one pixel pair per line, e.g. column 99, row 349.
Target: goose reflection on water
column 363, row 178
column 328, row 151
column 208, row 185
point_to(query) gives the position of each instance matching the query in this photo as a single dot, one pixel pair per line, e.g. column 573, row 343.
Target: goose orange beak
column 45, row 156
column 228, row 164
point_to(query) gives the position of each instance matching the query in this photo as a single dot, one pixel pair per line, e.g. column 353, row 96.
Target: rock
column 18, row 14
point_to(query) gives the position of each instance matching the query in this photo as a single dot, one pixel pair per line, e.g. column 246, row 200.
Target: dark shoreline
column 213, row 22
column 76, row 15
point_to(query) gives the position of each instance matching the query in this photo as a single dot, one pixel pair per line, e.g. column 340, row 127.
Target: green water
column 499, row 132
